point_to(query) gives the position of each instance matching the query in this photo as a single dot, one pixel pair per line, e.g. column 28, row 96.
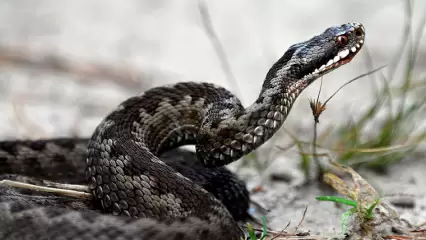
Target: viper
column 143, row 196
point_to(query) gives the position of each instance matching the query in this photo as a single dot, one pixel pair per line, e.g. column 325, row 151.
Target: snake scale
column 143, row 196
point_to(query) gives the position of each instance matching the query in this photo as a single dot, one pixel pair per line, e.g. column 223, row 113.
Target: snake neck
column 232, row 135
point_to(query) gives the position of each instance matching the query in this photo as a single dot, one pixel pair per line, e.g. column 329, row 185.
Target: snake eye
column 343, row 40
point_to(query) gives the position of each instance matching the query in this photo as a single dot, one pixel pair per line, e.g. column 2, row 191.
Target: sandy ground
column 165, row 41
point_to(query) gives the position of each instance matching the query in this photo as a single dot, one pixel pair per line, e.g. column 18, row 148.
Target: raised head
column 309, row 60
column 227, row 135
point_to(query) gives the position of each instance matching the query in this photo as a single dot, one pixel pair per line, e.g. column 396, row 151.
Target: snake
column 142, row 196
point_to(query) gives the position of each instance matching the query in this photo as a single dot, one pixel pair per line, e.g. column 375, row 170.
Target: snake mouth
column 340, row 59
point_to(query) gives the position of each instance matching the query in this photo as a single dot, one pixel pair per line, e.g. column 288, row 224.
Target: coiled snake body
column 126, row 176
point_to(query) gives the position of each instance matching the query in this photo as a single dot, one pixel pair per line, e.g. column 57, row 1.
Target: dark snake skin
column 154, row 199
column 64, row 160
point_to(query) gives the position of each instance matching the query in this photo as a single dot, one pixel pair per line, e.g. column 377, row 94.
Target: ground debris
column 373, row 217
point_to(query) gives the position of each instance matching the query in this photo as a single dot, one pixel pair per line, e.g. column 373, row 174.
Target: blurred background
column 65, row 64
column 151, row 43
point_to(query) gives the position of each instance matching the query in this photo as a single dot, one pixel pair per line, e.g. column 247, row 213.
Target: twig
column 285, row 148
column 354, row 79
column 208, row 28
column 282, row 231
column 301, row 220
column 361, row 150
column 320, row 108
column 65, row 186
column 63, row 192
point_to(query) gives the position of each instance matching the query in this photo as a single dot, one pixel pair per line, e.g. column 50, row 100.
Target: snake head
column 323, row 53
